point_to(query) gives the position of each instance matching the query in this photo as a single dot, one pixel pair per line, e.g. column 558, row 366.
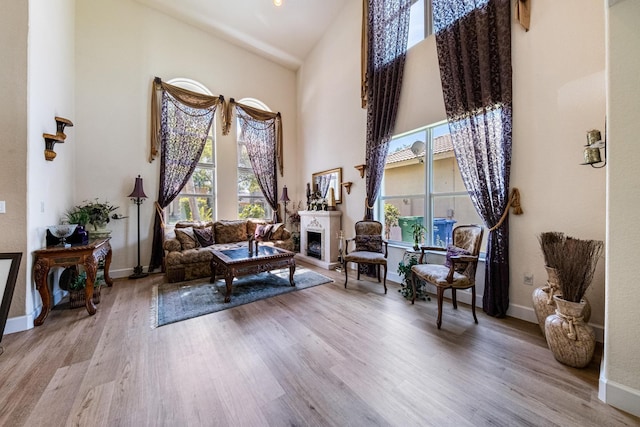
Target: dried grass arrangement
column 574, row 259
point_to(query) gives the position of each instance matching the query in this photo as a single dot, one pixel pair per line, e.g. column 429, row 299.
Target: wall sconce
column 51, row 140
column 347, row 186
column 592, row 149
column 361, row 169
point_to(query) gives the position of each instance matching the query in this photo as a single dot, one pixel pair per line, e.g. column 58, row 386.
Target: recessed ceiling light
column 277, row 2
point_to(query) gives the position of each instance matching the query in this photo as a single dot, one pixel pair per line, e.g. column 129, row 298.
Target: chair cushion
column 366, row 257
column 204, row 236
column 368, row 243
column 436, row 274
column 187, row 238
column 453, row 250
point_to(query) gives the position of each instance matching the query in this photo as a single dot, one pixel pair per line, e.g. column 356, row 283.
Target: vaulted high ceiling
column 284, row 34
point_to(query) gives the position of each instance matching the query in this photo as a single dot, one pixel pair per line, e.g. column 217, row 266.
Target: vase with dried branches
column 543, row 303
column 570, row 338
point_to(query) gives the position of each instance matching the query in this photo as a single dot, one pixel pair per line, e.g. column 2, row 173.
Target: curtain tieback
column 514, row 202
column 366, row 203
column 160, row 213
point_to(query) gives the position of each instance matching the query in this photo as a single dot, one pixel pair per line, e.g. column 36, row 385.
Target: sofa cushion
column 230, row 231
column 278, row 231
column 252, row 224
column 187, row 238
column 204, row 236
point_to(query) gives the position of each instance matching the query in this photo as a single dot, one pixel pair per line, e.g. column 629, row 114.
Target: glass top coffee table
column 237, row 262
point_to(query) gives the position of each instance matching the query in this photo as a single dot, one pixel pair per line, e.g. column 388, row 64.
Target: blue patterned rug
column 173, row 302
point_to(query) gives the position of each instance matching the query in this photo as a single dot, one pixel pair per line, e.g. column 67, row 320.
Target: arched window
column 251, row 201
column 197, row 199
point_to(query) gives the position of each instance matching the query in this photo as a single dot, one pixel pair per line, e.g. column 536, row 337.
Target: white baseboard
column 620, row 396
column 20, row 323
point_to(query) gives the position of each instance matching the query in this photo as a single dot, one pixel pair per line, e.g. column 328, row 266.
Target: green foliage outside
column 391, row 215
column 252, row 211
column 205, row 213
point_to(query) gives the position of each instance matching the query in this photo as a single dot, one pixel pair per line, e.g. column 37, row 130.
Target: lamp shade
column 285, row 195
column 138, row 192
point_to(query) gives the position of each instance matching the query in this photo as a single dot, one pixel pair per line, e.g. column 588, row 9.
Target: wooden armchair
column 459, row 270
column 370, row 249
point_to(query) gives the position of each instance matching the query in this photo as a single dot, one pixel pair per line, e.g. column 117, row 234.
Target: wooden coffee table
column 237, row 262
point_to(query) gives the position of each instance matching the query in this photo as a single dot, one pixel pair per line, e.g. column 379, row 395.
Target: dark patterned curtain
column 388, row 29
column 182, row 134
column 474, row 50
column 259, row 136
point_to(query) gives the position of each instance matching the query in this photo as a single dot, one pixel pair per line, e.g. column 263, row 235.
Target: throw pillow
column 277, row 231
column 204, row 236
column 368, row 243
column 453, row 251
column 230, row 231
column 263, row 232
column 187, row 238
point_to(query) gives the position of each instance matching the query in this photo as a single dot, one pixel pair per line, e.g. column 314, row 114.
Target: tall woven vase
column 543, row 303
column 569, row 338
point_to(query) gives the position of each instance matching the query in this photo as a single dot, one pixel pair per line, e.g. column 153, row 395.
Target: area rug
column 173, row 302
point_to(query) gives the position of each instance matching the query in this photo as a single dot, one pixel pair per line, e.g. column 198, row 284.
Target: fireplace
column 319, row 238
column 314, row 244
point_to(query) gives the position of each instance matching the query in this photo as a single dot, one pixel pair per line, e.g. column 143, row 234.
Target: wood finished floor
column 324, row 356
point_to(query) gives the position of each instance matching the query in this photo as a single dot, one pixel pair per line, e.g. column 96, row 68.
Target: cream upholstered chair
column 370, row 249
column 459, row 270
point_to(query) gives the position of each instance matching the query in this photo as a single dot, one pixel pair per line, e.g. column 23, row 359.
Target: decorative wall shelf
column 361, row 169
column 50, row 140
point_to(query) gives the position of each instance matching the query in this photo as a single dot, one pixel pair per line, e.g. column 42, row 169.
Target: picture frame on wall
column 9, row 265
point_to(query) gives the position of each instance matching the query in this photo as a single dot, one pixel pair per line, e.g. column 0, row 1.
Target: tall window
column 196, row 201
column 251, row 201
column 422, row 185
column 420, row 21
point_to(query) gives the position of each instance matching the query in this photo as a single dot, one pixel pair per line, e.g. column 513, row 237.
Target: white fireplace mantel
column 327, row 225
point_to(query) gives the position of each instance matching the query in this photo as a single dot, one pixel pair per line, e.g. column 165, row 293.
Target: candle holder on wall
column 592, row 150
column 50, row 140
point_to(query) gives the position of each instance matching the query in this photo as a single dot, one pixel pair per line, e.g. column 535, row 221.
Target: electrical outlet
column 3, row 207
column 528, row 279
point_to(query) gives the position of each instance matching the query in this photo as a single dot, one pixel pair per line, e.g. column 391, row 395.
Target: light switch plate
column 3, row 207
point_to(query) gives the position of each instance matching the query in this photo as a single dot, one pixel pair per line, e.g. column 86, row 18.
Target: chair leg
column 440, row 296
column 473, row 303
column 378, row 272
column 454, row 298
column 384, row 281
column 413, row 287
column 346, row 273
column 358, row 271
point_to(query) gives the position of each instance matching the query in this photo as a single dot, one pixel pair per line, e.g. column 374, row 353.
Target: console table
column 58, row 256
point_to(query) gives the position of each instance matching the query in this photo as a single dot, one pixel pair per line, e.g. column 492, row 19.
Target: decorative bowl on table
column 62, row 231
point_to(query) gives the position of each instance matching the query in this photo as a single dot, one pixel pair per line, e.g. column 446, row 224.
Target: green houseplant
column 93, row 212
column 404, row 270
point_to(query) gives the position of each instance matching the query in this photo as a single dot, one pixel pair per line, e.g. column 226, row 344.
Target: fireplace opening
column 314, row 244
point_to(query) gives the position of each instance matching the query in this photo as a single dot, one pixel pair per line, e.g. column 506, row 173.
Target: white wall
column 620, row 375
column 121, row 45
column 559, row 94
column 43, row 188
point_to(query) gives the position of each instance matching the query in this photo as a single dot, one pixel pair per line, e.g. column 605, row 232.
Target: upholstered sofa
column 187, row 245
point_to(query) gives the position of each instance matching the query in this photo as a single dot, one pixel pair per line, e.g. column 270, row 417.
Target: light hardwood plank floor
column 324, row 356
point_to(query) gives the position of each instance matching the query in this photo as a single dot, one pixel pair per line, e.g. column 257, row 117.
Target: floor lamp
column 285, row 199
column 137, row 197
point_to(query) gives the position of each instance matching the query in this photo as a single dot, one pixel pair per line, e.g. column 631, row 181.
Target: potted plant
column 94, row 212
column 404, row 270
column 77, row 296
column 417, row 230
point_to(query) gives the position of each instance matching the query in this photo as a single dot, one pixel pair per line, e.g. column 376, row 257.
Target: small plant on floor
column 404, row 270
